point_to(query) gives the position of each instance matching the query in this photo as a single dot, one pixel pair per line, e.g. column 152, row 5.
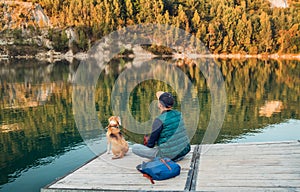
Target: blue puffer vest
column 173, row 141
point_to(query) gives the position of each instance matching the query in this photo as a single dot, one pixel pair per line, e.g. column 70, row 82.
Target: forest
column 231, row 26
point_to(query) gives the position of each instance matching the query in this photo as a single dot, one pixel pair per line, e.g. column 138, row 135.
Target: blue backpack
column 159, row 169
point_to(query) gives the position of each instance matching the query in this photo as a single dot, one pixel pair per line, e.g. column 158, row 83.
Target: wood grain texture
column 272, row 166
column 106, row 174
column 250, row 167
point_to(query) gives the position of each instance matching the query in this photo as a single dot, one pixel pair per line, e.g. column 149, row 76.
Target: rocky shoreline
column 53, row 56
column 50, row 56
column 241, row 56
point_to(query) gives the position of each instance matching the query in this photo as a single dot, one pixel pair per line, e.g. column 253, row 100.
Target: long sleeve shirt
column 157, row 127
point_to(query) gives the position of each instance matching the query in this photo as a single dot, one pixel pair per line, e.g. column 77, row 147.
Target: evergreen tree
column 195, row 21
column 129, row 12
column 266, row 37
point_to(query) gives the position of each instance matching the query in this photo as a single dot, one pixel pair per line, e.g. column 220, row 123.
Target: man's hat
column 165, row 98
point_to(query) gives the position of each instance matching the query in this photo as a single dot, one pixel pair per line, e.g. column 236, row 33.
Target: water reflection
column 270, row 107
column 284, row 131
column 10, row 127
column 36, row 116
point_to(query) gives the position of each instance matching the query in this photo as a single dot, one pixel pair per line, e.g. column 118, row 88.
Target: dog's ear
column 119, row 120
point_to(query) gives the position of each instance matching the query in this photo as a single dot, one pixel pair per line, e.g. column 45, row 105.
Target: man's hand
column 146, row 138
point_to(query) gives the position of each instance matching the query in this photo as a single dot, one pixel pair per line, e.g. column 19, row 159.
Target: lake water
column 39, row 135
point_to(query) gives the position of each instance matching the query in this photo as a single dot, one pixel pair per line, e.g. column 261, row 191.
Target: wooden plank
column 247, row 176
column 253, row 151
column 272, row 143
column 106, row 174
column 273, row 166
column 246, row 146
column 250, row 167
column 251, row 189
column 271, row 183
column 262, row 152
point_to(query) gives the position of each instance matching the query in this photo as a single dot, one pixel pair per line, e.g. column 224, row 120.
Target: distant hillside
column 231, row 26
column 18, row 14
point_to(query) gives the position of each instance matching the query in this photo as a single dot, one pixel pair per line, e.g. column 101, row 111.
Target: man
column 168, row 137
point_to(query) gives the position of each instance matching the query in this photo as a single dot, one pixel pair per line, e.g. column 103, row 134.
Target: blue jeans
column 144, row 151
column 147, row 152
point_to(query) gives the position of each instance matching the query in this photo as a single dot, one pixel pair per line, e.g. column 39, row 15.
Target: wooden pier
column 273, row 166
